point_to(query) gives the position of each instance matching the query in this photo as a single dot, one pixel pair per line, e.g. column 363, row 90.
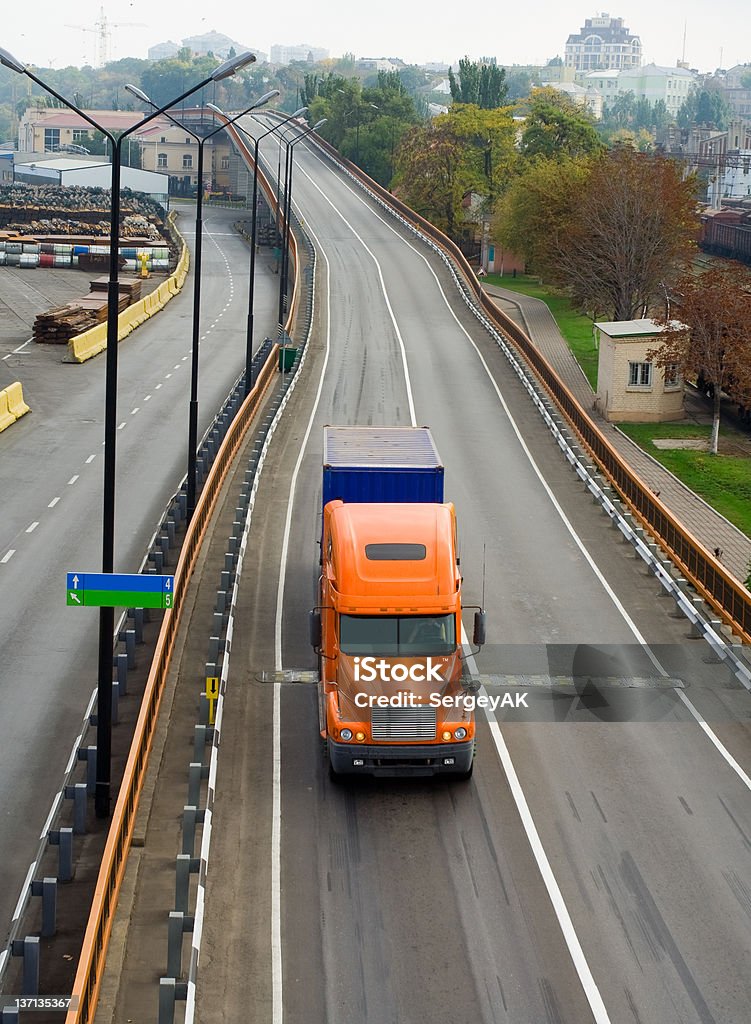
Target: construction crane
column 103, row 32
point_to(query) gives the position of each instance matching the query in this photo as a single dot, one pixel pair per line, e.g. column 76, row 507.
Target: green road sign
column 119, row 590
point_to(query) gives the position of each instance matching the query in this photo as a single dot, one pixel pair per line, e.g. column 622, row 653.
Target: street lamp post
column 107, row 615
column 251, row 284
column 191, row 491
column 289, row 160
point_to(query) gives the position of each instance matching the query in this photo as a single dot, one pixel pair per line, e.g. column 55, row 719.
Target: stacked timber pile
column 54, row 209
column 57, row 326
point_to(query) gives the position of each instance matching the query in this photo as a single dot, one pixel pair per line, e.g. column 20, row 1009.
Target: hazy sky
column 518, row 33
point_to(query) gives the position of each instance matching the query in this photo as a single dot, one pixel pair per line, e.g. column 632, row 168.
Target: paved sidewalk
column 707, row 525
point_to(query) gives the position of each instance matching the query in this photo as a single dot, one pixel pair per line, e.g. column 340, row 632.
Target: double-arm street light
column 193, row 408
column 254, row 210
column 288, row 162
column 107, row 615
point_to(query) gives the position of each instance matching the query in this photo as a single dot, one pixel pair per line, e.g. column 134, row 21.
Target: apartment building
column 603, row 42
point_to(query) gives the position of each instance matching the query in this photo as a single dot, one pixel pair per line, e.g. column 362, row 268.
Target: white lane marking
column 147, row 398
column 32, row 526
column 24, row 890
column 72, row 480
column 157, row 387
column 412, row 416
column 7, row 556
column 176, row 366
column 134, row 411
column 53, row 502
column 591, row 991
column 20, row 348
column 713, row 738
column 571, row 939
column 121, row 425
column 184, row 358
column 277, row 994
column 90, row 459
column 167, row 376
column 520, row 438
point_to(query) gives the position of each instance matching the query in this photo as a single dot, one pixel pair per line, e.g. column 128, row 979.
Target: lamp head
column 9, row 61
column 232, row 65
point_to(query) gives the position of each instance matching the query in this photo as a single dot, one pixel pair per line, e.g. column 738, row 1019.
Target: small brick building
column 630, row 388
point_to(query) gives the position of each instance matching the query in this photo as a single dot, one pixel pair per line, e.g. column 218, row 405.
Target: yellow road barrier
column 94, row 341
column 12, row 405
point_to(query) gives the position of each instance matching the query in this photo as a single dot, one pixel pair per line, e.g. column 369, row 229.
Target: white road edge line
column 713, row 738
column 277, row 996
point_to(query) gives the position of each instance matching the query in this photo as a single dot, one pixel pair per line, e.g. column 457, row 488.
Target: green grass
column 724, row 481
column 575, row 328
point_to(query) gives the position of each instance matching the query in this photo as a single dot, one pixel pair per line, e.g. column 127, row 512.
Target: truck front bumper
column 406, row 759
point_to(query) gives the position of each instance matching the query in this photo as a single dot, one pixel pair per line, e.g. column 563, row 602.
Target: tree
column 555, row 125
column 533, row 217
column 483, row 85
column 632, row 227
column 712, row 341
column 704, row 107
column 468, row 149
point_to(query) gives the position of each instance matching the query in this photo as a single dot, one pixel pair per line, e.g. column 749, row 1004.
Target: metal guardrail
column 91, row 962
column 720, row 588
column 92, row 958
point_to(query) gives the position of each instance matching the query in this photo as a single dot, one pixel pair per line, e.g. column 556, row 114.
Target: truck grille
column 403, row 723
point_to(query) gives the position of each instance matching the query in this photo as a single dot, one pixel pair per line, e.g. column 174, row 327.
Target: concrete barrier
column 16, row 404
column 94, row 341
column 12, row 405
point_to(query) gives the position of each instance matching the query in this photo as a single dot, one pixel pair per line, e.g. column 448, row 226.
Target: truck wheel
column 464, row 776
column 334, row 776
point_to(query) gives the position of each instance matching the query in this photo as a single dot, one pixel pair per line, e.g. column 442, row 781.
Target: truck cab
column 390, row 692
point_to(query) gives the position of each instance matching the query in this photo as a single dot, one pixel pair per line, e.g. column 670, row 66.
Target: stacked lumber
column 58, row 325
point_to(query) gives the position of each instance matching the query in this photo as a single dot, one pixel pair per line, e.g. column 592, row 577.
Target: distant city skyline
column 417, row 35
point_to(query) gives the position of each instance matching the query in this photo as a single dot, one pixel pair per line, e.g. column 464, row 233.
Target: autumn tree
column 534, row 216
column 708, row 337
column 632, row 226
column 467, row 149
column 556, row 126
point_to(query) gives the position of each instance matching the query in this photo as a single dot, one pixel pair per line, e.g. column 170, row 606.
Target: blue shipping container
column 381, row 464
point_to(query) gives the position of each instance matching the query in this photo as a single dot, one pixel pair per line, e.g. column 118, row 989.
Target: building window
column 51, row 138
column 163, row 138
column 187, row 161
column 161, row 160
column 672, row 377
column 640, row 375
column 225, row 163
column 188, row 141
column 80, row 135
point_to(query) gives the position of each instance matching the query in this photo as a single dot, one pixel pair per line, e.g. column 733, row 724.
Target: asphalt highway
column 51, row 487
column 596, row 867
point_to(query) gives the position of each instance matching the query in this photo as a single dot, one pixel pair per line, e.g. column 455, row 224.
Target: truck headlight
column 460, row 733
column 346, row 734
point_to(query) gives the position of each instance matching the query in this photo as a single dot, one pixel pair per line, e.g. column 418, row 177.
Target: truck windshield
column 388, row 635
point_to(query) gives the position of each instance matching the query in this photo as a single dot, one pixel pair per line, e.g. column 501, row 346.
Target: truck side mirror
column 314, row 626
column 478, row 636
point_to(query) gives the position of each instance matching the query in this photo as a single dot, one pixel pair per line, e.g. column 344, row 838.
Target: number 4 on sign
column 212, row 694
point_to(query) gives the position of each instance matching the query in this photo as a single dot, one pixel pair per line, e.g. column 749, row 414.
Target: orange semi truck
column 387, row 629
